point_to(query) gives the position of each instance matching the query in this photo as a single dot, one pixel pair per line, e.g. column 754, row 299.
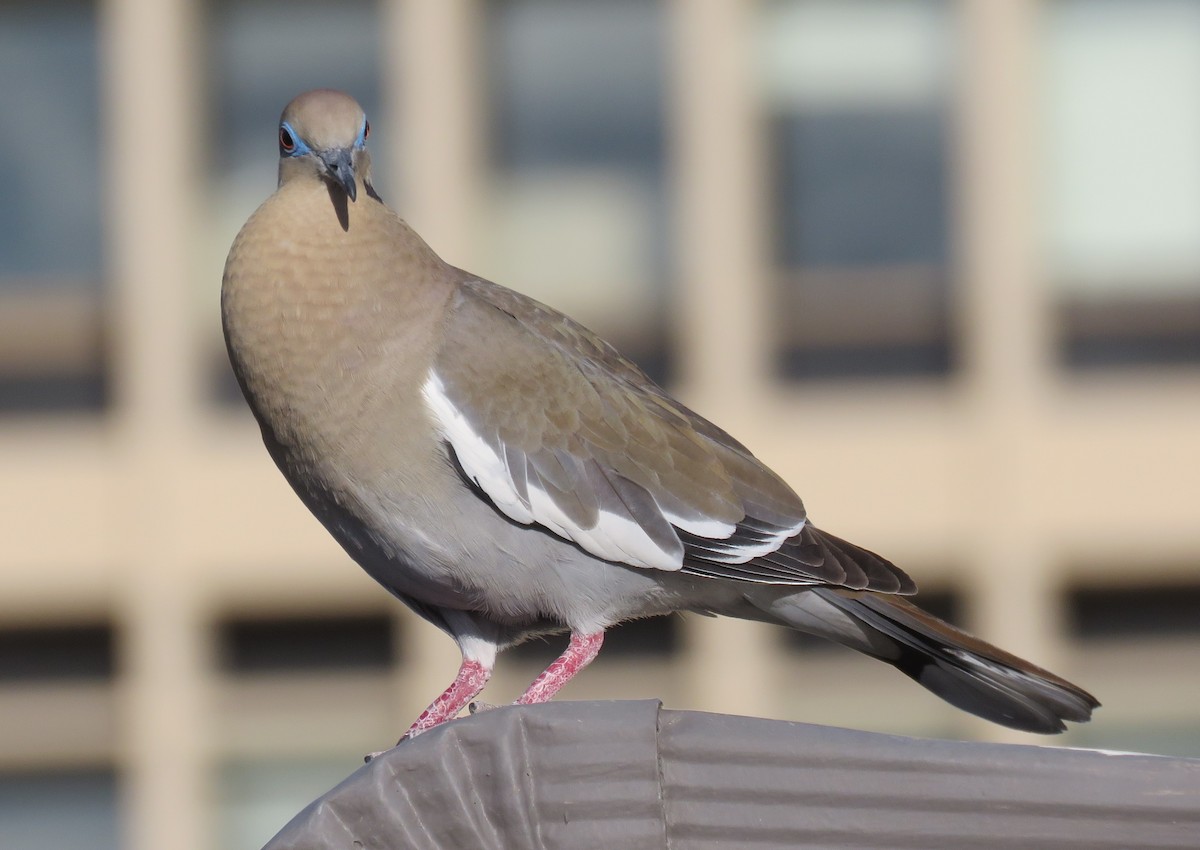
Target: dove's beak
column 339, row 167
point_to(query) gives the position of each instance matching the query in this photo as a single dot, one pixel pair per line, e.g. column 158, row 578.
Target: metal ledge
column 633, row 775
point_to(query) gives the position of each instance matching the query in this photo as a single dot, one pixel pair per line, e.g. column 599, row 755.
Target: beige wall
column 1012, row 481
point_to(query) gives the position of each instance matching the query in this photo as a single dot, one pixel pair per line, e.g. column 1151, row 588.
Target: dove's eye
column 363, row 133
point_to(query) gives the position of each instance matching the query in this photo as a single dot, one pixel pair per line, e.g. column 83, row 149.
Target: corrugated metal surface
column 629, row 775
column 508, row 778
column 742, row 782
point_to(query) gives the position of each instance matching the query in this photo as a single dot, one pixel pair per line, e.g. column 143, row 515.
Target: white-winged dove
column 506, row 473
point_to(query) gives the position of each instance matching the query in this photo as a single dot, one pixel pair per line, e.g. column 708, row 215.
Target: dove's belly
column 442, row 545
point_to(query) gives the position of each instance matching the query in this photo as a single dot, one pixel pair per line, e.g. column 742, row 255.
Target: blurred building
column 937, row 261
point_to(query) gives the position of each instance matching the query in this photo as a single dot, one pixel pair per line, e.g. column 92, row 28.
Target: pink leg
column 580, row 652
column 471, row 678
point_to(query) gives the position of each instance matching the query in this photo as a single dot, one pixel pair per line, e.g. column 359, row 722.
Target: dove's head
column 323, row 135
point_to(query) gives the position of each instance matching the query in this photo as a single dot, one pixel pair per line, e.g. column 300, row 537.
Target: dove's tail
column 961, row 669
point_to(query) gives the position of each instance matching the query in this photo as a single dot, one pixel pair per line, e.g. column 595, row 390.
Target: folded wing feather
column 555, row 428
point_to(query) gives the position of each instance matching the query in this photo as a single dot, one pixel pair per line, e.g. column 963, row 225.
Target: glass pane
column 50, row 167
column 576, row 211
column 40, row 653
column 257, row 799
column 307, row 643
column 1121, row 231
column 63, row 811
column 857, row 97
column 1123, row 612
column 262, row 53
column 50, row 208
column 652, row 637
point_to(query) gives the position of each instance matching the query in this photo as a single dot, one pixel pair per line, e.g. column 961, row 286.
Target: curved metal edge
column 632, row 775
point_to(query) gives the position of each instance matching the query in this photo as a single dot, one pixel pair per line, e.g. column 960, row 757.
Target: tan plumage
column 505, row 472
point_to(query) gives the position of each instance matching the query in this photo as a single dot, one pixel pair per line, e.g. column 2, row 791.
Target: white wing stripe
column 766, row 547
column 711, row 528
column 614, row 537
column 478, row 459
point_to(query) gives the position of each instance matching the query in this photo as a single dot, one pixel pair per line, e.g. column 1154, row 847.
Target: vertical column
column 434, row 80
column 152, row 128
column 432, row 84
column 721, row 299
column 1005, row 334
column 717, row 170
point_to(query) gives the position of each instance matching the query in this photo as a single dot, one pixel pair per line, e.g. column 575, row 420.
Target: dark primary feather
column 968, row 673
column 813, row 557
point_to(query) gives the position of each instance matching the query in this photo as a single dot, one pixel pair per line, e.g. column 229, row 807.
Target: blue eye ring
column 290, row 144
column 363, row 134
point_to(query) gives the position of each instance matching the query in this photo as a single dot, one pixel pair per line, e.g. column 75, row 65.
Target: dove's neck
column 332, row 317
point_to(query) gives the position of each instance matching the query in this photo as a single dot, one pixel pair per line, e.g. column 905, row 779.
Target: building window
column 857, row 96
column 51, row 341
column 255, row 799
column 306, row 644
column 1098, row 613
column 576, row 211
column 647, row 638
column 46, row 652
column 1121, row 179
column 66, row 811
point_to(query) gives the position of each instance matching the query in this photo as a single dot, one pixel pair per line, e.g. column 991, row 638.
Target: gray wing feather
column 586, row 445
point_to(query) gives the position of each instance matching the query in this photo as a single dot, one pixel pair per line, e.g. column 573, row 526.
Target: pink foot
column 471, row 678
column 579, row 653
